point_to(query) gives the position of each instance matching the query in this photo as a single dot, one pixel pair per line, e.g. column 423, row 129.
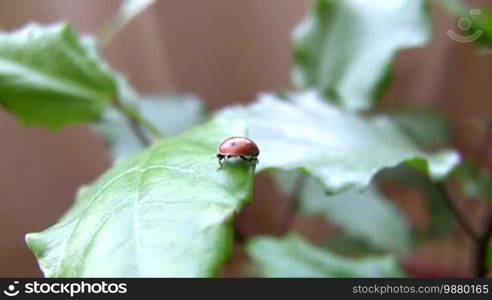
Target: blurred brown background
column 226, row 52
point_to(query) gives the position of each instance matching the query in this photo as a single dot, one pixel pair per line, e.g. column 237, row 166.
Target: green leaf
column 475, row 181
column 428, row 128
column 477, row 23
column 365, row 215
column 163, row 212
column 344, row 48
column 128, row 11
column 170, row 113
column 50, row 77
column 292, row 256
column 339, row 148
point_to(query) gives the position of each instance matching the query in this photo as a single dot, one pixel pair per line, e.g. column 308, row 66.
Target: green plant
column 164, row 209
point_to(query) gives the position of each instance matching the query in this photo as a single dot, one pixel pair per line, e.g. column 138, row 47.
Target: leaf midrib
column 49, row 82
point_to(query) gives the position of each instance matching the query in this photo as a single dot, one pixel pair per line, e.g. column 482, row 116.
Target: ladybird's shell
column 238, row 146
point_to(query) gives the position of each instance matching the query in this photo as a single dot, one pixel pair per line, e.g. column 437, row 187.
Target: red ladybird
column 240, row 147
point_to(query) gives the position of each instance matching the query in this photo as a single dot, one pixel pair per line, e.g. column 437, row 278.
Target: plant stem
column 293, row 205
column 239, row 237
column 134, row 114
column 481, row 254
column 109, row 31
column 481, row 267
column 134, row 123
column 120, row 20
column 460, row 218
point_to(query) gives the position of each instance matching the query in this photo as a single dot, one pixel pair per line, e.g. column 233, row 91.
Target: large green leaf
column 292, row 256
column 344, row 48
column 165, row 211
column 365, row 215
column 170, row 113
column 50, row 77
column 341, row 149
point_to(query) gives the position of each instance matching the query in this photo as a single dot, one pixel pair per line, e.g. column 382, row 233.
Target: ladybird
column 238, row 147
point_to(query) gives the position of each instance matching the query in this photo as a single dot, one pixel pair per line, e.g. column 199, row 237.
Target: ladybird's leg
column 221, row 158
column 249, row 159
column 252, row 159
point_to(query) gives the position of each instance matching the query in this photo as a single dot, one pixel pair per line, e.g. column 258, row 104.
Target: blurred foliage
column 367, row 218
column 349, row 246
column 428, row 128
column 365, row 215
column 344, row 49
column 441, row 220
column 475, row 181
column 292, row 256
